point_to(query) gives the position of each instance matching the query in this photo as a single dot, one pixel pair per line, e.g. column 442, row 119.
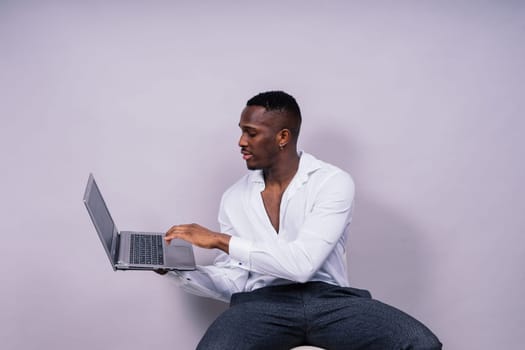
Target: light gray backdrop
column 422, row 102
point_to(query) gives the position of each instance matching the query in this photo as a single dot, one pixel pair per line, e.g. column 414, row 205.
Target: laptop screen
column 99, row 214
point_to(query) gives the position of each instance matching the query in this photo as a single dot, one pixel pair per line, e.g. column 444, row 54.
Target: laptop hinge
column 116, row 248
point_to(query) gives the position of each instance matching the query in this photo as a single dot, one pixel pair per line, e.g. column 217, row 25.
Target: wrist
column 222, row 242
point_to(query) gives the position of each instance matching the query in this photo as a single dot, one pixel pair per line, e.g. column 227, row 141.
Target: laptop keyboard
column 146, row 249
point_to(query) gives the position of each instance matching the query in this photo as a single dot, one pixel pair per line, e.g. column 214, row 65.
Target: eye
column 250, row 132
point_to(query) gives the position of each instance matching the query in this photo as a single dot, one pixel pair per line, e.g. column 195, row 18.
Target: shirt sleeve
column 323, row 227
column 218, row 281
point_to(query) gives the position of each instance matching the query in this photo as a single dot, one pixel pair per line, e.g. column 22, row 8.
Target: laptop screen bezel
column 111, row 250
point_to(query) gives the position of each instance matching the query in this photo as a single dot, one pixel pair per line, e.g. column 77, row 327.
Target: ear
column 284, row 136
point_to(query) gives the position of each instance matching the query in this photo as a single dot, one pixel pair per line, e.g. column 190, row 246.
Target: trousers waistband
column 284, row 292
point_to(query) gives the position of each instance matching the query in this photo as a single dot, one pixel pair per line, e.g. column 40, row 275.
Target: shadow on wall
column 387, row 253
column 387, row 256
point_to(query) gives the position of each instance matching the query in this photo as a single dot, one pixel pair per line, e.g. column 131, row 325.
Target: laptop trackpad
column 178, row 255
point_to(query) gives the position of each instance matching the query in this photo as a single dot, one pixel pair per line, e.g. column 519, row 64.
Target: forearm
column 296, row 261
column 222, row 241
column 199, row 283
column 217, row 281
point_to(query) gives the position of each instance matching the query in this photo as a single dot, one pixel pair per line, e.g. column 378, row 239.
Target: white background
column 422, row 102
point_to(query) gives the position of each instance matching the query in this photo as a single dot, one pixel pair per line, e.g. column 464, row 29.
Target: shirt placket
column 260, row 211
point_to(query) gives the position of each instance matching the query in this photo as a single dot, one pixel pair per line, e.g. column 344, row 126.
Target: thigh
column 346, row 320
column 255, row 325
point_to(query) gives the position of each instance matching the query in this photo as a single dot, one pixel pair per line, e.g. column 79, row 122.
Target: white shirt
column 315, row 213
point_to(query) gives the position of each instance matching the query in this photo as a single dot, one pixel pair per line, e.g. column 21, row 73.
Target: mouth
column 246, row 155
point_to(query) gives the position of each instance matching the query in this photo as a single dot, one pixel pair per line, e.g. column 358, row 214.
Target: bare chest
column 272, row 204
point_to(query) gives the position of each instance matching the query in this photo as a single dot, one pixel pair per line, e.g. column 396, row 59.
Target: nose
column 242, row 141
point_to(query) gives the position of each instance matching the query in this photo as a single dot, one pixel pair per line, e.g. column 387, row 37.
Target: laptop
column 129, row 250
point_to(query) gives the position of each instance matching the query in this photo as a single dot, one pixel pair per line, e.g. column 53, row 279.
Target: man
column 283, row 263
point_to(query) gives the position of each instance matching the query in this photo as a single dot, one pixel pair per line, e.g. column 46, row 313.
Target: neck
column 283, row 171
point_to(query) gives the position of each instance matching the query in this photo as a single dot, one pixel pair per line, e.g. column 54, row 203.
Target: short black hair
column 280, row 101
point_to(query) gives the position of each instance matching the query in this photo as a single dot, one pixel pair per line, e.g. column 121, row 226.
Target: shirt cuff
column 180, row 276
column 240, row 250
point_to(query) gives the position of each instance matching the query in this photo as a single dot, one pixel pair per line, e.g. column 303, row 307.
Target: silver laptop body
column 120, row 246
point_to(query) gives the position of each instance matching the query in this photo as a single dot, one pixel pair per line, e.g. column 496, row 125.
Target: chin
column 252, row 166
